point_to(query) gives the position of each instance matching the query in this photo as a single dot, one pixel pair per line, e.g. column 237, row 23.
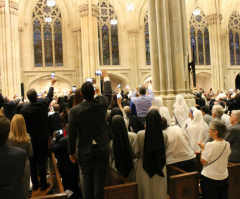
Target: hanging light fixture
column 130, row 7
column 51, row 3
column 114, row 22
column 196, row 12
column 48, row 19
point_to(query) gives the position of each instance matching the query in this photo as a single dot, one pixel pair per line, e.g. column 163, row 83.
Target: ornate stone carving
column 84, row 10
column 199, row 21
column 214, row 18
column 234, row 21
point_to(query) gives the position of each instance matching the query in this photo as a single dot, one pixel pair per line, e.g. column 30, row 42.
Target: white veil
column 197, row 130
column 163, row 110
column 180, row 110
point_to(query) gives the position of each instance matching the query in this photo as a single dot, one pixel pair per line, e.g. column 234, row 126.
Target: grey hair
column 237, row 114
column 220, row 127
column 218, row 111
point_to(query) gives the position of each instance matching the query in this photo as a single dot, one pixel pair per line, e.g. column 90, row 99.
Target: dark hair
column 32, row 95
column 1, row 100
column 220, row 127
column 56, row 107
column 142, row 90
column 122, row 150
column 4, row 130
column 78, row 98
column 88, row 91
column 206, row 110
column 114, row 111
column 164, row 123
column 154, row 156
column 113, row 103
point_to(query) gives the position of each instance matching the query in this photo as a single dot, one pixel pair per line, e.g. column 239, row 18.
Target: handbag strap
column 217, row 157
column 177, row 123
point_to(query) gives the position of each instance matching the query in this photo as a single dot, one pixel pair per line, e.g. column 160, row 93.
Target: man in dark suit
column 233, row 136
column 11, row 166
column 36, row 116
column 87, row 123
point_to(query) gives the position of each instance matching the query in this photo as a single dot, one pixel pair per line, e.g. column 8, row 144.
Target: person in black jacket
column 87, row 124
column 36, row 116
column 12, row 165
column 54, row 120
column 68, row 171
column 233, row 136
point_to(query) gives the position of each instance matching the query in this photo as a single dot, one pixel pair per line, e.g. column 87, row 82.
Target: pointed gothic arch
column 199, row 35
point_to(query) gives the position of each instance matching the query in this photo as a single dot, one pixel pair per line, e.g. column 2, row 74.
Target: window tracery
column 234, row 33
column 147, row 40
column 107, row 34
column 47, row 35
column 200, row 38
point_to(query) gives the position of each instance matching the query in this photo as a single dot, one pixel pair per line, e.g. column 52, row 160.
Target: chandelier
column 51, row 3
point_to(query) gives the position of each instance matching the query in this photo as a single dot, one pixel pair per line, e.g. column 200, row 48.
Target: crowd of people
column 135, row 136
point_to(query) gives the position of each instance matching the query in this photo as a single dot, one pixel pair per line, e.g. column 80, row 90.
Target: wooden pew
column 123, row 191
column 57, row 183
column 52, row 196
column 118, row 187
column 234, row 181
column 182, row 184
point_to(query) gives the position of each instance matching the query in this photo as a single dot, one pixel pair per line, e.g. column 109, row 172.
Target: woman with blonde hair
column 19, row 137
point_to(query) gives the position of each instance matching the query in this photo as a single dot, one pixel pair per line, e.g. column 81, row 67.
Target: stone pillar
column 133, row 59
column 78, row 60
column 215, row 29
column 169, row 52
column 89, row 39
column 9, row 48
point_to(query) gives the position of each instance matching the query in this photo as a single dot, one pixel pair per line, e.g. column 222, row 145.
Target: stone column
column 133, row 59
column 169, row 52
column 215, row 29
column 78, row 60
column 89, row 39
column 9, row 48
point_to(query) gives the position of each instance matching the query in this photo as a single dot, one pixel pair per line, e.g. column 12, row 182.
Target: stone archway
column 117, row 80
column 237, row 82
column 42, row 84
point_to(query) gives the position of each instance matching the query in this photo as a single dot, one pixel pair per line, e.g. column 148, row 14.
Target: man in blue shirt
column 142, row 103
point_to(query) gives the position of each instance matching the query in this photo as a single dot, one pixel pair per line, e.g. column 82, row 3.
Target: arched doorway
column 42, row 84
column 117, row 80
column 237, row 82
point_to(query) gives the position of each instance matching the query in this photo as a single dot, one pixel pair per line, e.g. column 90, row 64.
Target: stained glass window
column 231, row 44
column 107, row 34
column 207, row 47
column 234, row 34
column 193, row 43
column 47, row 35
column 37, row 40
column 199, row 35
column 147, row 40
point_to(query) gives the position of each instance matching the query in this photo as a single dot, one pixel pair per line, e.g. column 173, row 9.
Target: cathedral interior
column 72, row 39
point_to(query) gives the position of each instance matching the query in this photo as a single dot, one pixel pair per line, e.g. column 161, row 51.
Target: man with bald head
column 233, row 136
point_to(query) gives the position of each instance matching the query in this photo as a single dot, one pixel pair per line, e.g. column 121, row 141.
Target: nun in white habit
column 163, row 110
column 180, row 111
column 197, row 131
